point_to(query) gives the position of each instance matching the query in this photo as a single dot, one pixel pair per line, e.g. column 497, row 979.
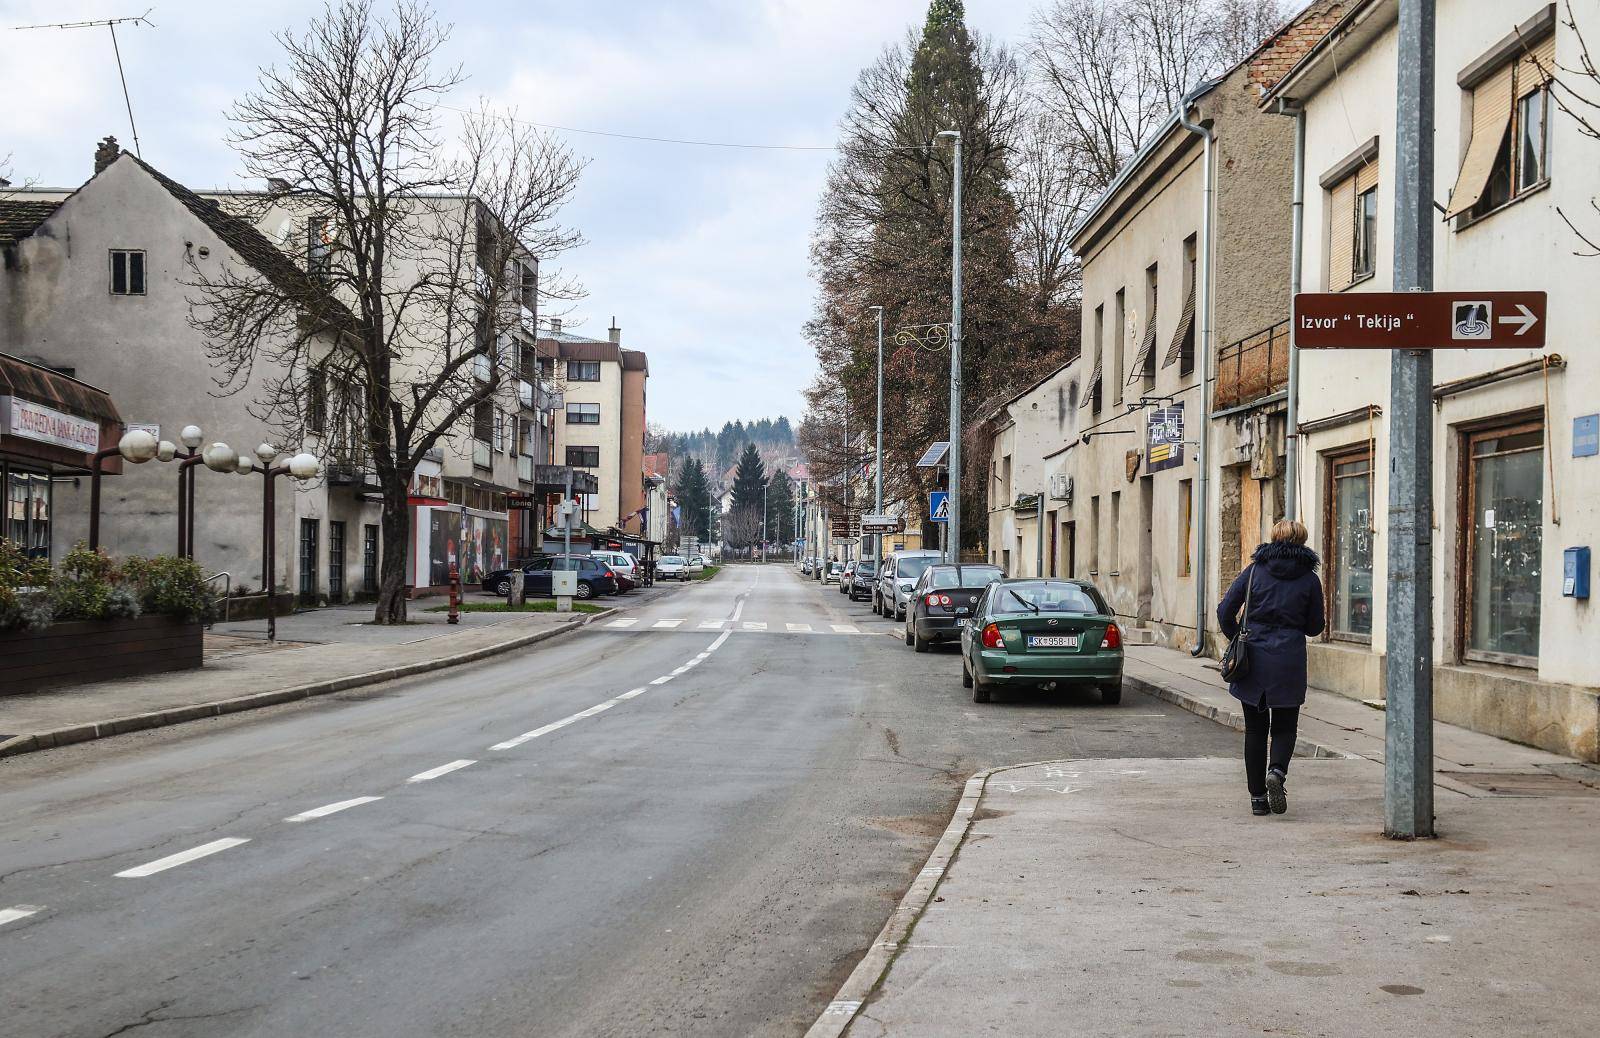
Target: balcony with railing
column 1256, row 366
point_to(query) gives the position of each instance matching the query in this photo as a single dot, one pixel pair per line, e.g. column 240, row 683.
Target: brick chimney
column 555, row 326
column 616, row 333
column 106, row 154
column 1284, row 49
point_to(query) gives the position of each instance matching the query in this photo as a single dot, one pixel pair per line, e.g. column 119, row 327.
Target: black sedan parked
column 944, row 596
column 861, row 581
column 594, row 577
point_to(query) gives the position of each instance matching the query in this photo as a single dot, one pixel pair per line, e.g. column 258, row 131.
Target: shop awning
column 52, row 418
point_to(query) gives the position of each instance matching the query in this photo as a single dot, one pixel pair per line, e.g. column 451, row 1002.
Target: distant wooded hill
column 718, row 449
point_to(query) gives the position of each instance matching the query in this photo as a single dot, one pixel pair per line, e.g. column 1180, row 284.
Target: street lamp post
column 190, row 437
column 953, row 527
column 877, row 453
column 302, row 467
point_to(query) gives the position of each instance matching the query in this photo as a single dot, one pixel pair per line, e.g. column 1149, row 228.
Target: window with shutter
column 1341, row 234
column 1508, row 152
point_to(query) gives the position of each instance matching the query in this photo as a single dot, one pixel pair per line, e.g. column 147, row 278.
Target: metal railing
column 1254, row 367
column 227, row 595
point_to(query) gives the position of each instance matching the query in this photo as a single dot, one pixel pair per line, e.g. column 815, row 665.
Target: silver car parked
column 896, row 577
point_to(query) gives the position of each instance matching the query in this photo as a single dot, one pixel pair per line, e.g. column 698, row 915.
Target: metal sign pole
column 1408, row 757
column 953, row 527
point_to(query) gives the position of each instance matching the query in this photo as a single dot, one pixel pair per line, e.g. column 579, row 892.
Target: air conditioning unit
column 1061, row 488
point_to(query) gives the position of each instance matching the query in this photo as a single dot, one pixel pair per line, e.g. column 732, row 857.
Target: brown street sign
column 1419, row 320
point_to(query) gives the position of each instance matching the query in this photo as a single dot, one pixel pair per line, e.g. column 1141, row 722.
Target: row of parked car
column 1014, row 633
column 599, row 573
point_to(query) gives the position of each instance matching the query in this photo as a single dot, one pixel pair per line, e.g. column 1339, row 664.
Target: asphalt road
column 664, row 829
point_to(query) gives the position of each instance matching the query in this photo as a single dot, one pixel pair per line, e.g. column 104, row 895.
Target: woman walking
column 1280, row 598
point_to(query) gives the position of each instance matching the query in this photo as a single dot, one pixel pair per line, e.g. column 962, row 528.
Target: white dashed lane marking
column 172, row 861
column 331, row 809
column 443, row 769
column 11, row 915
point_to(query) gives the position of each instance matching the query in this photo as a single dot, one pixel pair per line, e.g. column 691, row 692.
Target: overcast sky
column 700, row 253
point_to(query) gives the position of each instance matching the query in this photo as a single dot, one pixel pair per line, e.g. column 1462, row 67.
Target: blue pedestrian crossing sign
column 939, row 506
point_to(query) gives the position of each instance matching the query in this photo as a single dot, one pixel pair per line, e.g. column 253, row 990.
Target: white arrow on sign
column 1527, row 319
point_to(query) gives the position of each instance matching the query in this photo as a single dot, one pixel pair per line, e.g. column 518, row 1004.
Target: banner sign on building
column 1164, row 438
column 33, row 421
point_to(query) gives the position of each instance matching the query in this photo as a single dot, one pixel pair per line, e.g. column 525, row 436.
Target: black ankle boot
column 1258, row 805
column 1275, row 795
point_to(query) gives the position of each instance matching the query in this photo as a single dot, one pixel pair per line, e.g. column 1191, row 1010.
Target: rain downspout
column 1291, row 432
column 1203, row 455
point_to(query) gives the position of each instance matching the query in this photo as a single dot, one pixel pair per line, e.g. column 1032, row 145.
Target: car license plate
column 962, row 610
column 1052, row 641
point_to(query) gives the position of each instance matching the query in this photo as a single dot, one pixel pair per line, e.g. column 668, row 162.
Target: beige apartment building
column 1516, row 477
column 602, row 425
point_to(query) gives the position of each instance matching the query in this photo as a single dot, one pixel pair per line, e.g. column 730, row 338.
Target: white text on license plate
column 1052, row 641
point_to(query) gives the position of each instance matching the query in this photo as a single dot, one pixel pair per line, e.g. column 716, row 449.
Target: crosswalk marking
column 666, row 624
column 626, row 621
column 673, row 623
column 754, row 625
column 846, row 629
column 799, row 628
column 712, row 625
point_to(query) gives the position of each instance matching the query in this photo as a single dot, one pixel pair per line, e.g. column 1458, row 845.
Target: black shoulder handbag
column 1236, row 657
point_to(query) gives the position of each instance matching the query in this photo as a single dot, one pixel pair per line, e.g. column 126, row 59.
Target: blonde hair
column 1291, row 530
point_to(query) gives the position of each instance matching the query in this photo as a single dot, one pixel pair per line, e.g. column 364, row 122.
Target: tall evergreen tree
column 694, row 499
column 749, row 479
column 883, row 238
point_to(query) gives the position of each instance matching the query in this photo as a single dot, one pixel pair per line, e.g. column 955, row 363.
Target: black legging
column 1282, row 722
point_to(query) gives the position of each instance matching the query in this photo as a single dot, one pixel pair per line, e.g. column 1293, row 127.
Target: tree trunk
column 391, row 605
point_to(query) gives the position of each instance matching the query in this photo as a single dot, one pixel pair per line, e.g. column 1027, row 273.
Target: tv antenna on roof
column 111, row 24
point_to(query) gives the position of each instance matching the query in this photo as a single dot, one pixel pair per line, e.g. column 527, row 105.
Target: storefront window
column 1504, row 537
column 27, row 506
column 1349, row 548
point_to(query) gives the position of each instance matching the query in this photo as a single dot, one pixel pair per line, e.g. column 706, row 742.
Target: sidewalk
column 1140, row 897
column 318, row 652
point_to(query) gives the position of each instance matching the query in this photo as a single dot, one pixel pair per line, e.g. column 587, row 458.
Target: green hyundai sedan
column 1039, row 634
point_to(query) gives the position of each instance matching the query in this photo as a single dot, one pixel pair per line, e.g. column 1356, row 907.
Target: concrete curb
column 178, row 715
column 874, row 966
column 1230, row 718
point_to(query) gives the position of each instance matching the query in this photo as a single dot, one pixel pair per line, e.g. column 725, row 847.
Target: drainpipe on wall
column 1291, row 433
column 1203, row 459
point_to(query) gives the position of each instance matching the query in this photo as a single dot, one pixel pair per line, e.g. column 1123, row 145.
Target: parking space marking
column 172, row 861
column 443, row 769
column 329, row 809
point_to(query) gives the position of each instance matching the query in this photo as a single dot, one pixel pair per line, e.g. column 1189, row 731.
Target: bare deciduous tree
column 1111, row 70
column 1576, row 92
column 421, row 254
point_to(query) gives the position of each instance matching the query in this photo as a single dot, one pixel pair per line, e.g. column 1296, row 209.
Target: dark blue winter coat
column 1285, row 610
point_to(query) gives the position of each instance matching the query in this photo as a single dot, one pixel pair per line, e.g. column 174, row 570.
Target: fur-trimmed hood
column 1286, row 561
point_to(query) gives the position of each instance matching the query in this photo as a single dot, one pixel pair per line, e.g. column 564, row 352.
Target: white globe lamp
column 266, row 453
column 304, row 466
column 191, row 436
column 166, row 450
column 138, row 446
column 219, row 457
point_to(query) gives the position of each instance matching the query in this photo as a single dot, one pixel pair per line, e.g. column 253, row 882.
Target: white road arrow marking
column 1527, row 319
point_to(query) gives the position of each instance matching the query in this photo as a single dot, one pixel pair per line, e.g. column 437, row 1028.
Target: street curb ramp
column 66, row 736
